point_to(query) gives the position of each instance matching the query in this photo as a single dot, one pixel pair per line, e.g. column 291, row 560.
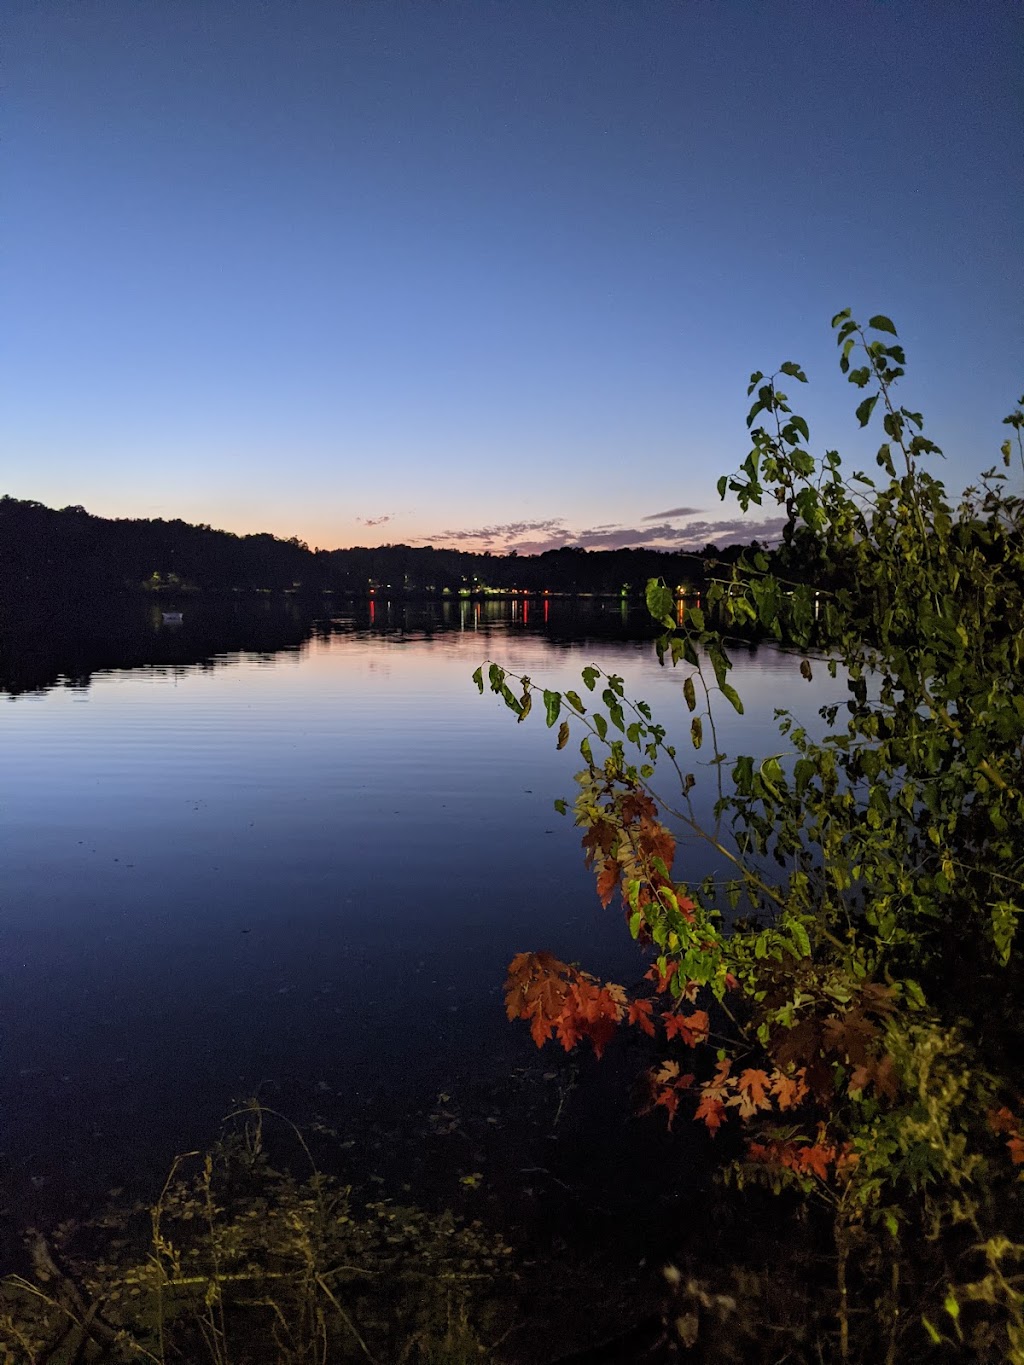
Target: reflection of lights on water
column 373, row 611
column 547, row 606
column 526, row 610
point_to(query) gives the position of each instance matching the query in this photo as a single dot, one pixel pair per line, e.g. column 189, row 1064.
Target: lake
column 264, row 852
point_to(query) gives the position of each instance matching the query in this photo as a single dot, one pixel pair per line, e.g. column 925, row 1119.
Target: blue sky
column 490, row 272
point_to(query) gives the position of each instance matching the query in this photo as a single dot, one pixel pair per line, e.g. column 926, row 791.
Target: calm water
column 253, row 850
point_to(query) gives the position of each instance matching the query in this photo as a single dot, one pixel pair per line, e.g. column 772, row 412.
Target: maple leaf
column 691, row 1028
column 597, row 1010
column 1004, row 1121
column 669, row 1099
column 636, row 805
column 654, row 842
column 712, row 1111
column 788, row 1090
column 814, row 1160
column 608, row 880
column 567, row 1030
column 667, row 1073
column 752, row 1092
column 640, row 1014
column 654, row 974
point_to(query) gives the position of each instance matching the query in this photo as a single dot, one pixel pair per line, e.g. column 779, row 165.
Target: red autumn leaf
column 653, row 974
column 668, row 1097
column 691, row 1028
column 752, row 1093
column 814, row 1160
column 712, row 1111
column 1002, row 1121
column 599, row 838
column 636, row 805
column 560, row 999
column 788, row 1090
column 1015, row 1146
column 608, row 881
column 640, row 1014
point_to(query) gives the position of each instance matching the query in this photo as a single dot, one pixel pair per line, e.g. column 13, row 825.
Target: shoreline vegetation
column 69, row 553
column 834, row 1027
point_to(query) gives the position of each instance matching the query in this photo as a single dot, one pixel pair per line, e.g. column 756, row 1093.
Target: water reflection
column 246, row 846
column 49, row 648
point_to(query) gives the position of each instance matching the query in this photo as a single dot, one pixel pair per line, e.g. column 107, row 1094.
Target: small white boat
column 171, row 618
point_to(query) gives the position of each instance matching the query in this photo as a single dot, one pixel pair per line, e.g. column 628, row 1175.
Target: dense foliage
column 70, row 552
column 846, row 995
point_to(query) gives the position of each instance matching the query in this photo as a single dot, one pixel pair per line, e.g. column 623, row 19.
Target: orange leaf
column 712, row 1111
column 640, row 1014
column 608, row 880
column 788, row 1090
column 814, row 1160
column 691, row 1028
column 752, row 1094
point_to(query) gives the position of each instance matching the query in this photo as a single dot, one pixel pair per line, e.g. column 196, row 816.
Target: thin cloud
column 673, row 512
column 376, row 521
column 538, row 537
column 507, row 532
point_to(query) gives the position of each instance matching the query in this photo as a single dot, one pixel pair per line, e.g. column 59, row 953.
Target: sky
column 490, row 273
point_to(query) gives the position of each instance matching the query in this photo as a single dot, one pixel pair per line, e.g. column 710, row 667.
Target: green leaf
column 793, row 370
column 496, row 677
column 660, row 602
column 600, row 725
column 840, row 317
column 882, row 324
column 561, row 805
column 865, row 409
column 586, row 751
column 732, row 697
column 723, row 482
column 798, row 934
column 478, row 678
column 696, row 732
column 690, row 694
column 552, row 706
column 510, row 700
column 573, row 698
column 590, row 676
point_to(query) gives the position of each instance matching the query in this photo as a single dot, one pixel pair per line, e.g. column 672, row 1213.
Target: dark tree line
column 70, row 553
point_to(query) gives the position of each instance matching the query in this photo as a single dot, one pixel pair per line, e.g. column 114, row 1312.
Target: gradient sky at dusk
column 489, row 272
